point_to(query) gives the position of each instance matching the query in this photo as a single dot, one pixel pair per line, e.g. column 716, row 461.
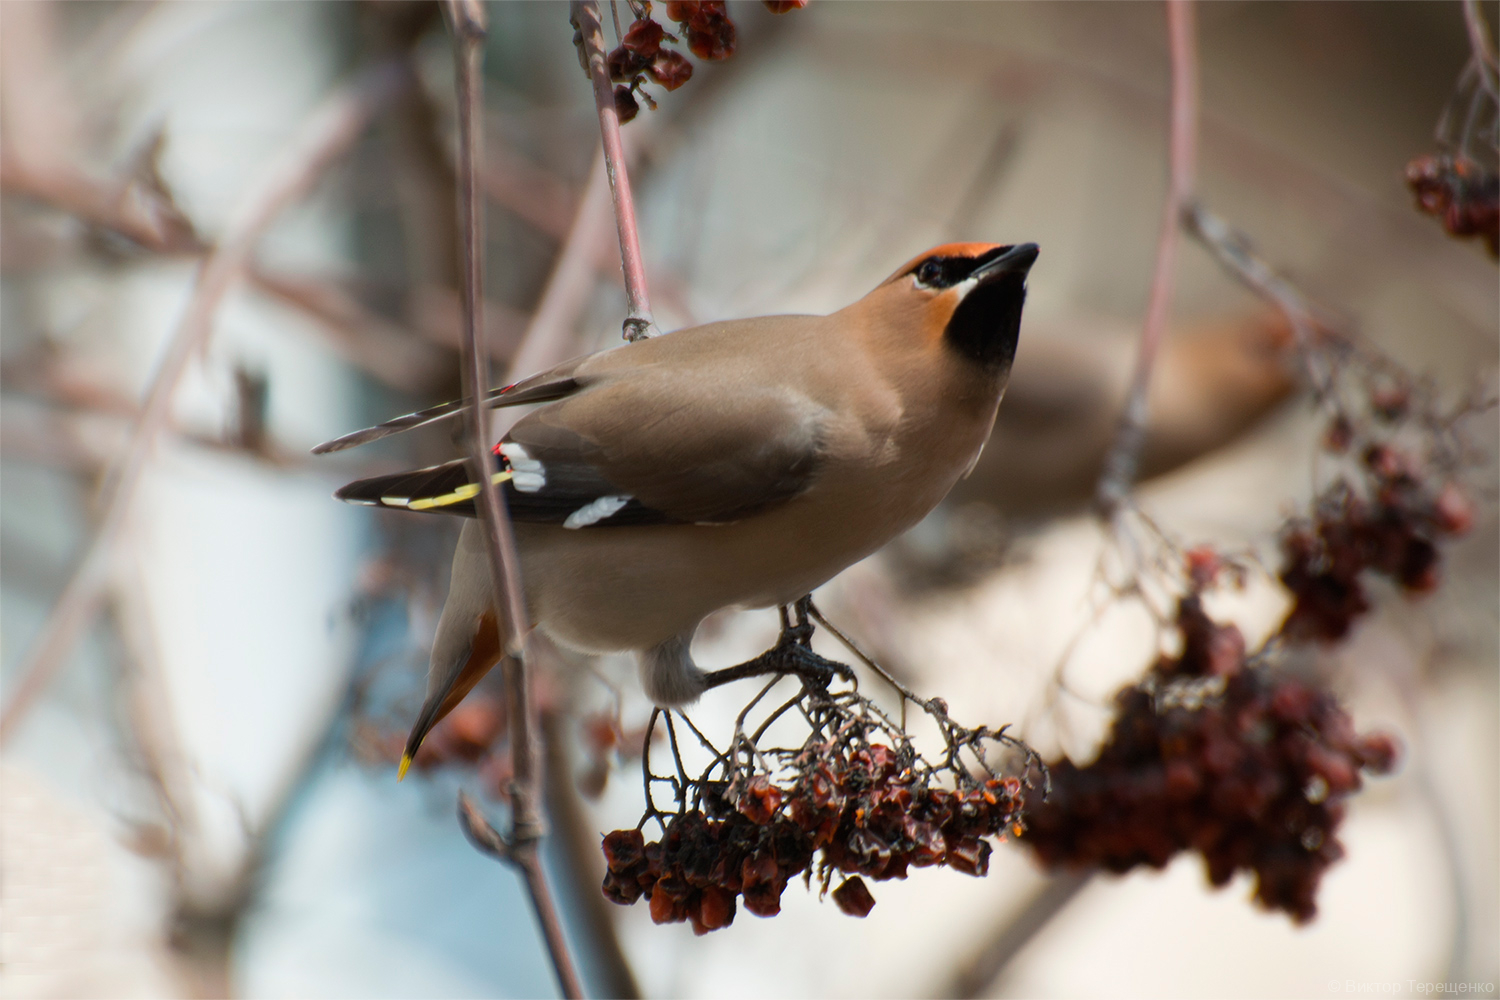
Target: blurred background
column 197, row 784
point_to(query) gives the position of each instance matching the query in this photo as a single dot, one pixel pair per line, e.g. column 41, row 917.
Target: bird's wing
column 544, row 387
column 646, row 447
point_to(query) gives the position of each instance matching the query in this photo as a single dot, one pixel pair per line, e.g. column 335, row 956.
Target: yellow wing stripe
column 467, row 491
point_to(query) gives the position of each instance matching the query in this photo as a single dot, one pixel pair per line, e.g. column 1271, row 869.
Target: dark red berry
column 670, row 69
column 853, row 897
column 625, row 65
column 1453, row 511
column 625, row 104
column 644, row 36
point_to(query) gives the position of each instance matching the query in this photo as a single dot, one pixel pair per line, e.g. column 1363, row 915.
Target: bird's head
column 968, row 295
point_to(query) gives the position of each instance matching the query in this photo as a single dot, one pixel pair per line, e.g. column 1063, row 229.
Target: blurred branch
column 1017, row 931
column 547, row 341
column 1121, row 464
column 639, row 323
column 80, row 430
column 1484, row 51
column 332, row 128
column 1233, row 250
column 365, row 339
column 130, row 209
column 575, row 847
column 530, row 193
column 521, row 848
column 436, row 314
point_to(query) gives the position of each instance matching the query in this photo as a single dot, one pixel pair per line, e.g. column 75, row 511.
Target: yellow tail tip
column 405, row 763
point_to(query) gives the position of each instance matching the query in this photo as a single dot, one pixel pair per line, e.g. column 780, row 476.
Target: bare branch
column 546, row 342
column 639, row 323
column 129, row 209
column 481, row 834
column 325, row 136
column 1121, row 463
column 1232, row 249
column 366, row 340
column 527, row 828
column 1484, row 50
column 529, row 192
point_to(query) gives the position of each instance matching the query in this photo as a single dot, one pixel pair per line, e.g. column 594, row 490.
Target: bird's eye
column 930, row 273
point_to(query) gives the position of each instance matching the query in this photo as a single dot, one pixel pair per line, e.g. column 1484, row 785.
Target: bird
column 740, row 463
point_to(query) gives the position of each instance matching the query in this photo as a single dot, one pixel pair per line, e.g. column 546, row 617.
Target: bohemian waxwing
column 741, row 463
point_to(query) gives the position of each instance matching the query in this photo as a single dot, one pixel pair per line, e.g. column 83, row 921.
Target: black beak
column 1008, row 260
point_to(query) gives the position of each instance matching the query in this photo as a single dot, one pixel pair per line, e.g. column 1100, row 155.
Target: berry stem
column 638, row 323
column 1124, row 457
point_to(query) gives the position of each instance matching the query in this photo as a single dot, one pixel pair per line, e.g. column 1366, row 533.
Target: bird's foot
column 792, row 654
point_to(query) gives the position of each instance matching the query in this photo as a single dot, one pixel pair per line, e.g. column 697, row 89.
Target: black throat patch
column 985, row 326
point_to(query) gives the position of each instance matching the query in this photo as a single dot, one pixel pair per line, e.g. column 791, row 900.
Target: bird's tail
column 467, row 644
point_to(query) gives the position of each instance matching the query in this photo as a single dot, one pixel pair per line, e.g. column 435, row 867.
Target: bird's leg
column 792, row 654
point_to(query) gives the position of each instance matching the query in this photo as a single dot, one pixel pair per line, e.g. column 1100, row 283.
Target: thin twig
column 1484, row 51
column 1233, row 250
column 1124, row 456
column 481, row 834
column 127, row 209
column 546, row 341
column 326, row 135
column 638, row 324
column 527, row 825
column 529, row 192
column 579, row 864
column 362, row 337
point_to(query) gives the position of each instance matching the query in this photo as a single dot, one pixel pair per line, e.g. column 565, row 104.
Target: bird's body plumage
column 741, row 463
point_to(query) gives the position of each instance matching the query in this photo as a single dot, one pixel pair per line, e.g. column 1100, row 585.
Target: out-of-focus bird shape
column 741, row 463
column 1212, row 381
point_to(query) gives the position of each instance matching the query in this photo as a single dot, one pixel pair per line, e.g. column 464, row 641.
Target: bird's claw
column 816, row 671
column 790, row 655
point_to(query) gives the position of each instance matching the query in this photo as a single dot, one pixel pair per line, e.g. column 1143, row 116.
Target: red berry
column 1203, row 565
column 670, row 69
column 624, row 65
column 970, row 856
column 853, row 897
column 665, row 909
column 760, row 800
column 625, row 105
column 1339, row 435
column 624, row 849
column 715, row 909
column 1453, row 511
column 644, row 36
column 1379, row 752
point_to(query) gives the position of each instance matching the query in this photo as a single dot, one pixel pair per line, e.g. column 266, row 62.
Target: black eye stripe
column 945, row 272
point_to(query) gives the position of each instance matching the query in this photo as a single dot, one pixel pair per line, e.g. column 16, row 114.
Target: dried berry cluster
column 843, row 805
column 1461, row 193
column 640, row 57
column 1246, row 766
column 1390, row 529
column 1225, row 753
column 1395, row 499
